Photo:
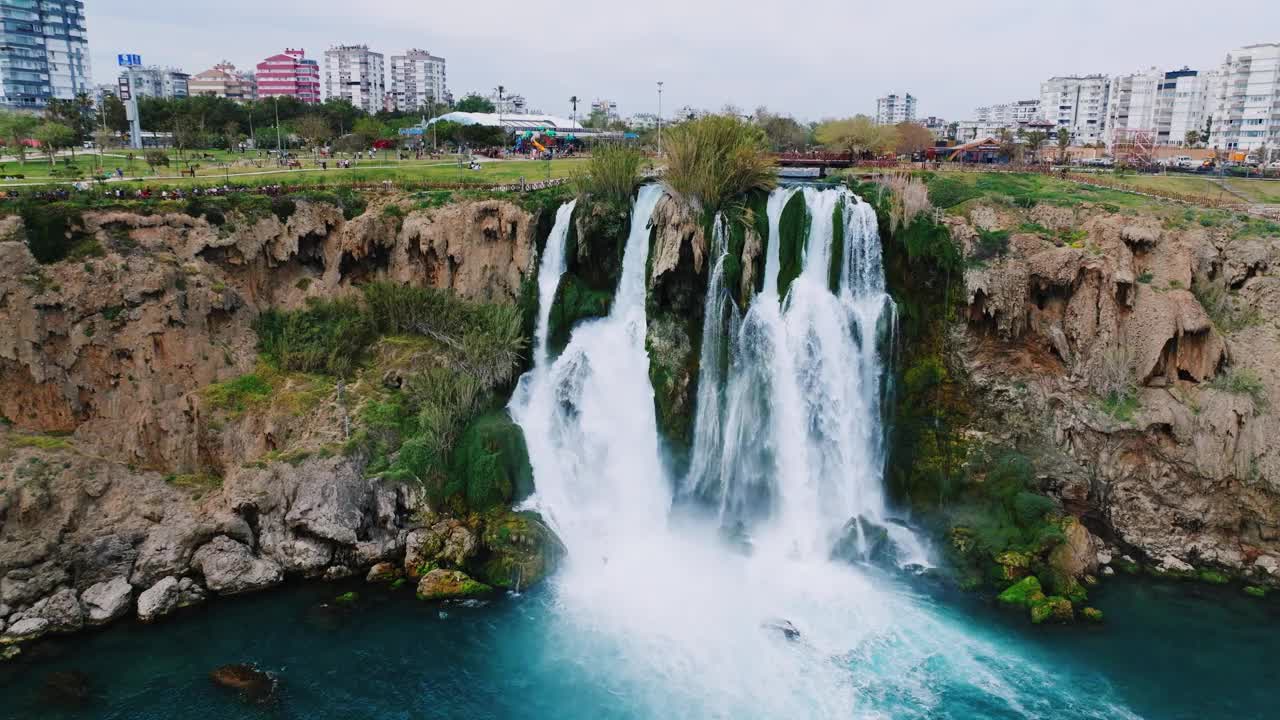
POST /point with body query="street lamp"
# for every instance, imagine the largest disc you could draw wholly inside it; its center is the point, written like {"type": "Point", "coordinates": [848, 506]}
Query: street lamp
{"type": "Point", "coordinates": [276, 101]}
{"type": "Point", "coordinates": [574, 100]}
{"type": "Point", "coordinates": [500, 128]}
{"type": "Point", "coordinates": [660, 118]}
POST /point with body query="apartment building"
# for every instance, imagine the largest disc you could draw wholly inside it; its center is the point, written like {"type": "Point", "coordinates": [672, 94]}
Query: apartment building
{"type": "Point", "coordinates": [1131, 104]}
{"type": "Point", "coordinates": [1246, 103]}
{"type": "Point", "coordinates": [1077, 103]}
{"type": "Point", "coordinates": [356, 74]}
{"type": "Point", "coordinates": [45, 53]}
{"type": "Point", "coordinates": [225, 81]}
{"type": "Point", "coordinates": [418, 79]}
{"type": "Point", "coordinates": [158, 82]}
{"type": "Point", "coordinates": [893, 109]}
{"type": "Point", "coordinates": [289, 74]}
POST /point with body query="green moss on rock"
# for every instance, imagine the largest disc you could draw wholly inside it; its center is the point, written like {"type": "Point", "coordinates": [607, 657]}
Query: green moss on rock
{"type": "Point", "coordinates": [1255, 591]}
{"type": "Point", "coordinates": [1021, 593]}
{"type": "Point", "coordinates": [441, 584]}
{"type": "Point", "coordinates": [793, 232]}
{"type": "Point", "coordinates": [1091, 614]}
{"type": "Point", "coordinates": [1052, 609]}
{"type": "Point", "coordinates": [518, 550]}
{"type": "Point", "coordinates": [490, 464]}
{"type": "Point", "coordinates": [1213, 577]}
{"type": "Point", "coordinates": [673, 372]}
{"type": "Point", "coordinates": [575, 301]}
{"type": "Point", "coordinates": [347, 598]}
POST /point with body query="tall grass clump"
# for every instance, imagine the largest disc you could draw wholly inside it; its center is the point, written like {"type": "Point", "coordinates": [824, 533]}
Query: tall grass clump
{"type": "Point", "coordinates": [327, 337]}
{"type": "Point", "coordinates": [611, 175]}
{"type": "Point", "coordinates": [717, 158]}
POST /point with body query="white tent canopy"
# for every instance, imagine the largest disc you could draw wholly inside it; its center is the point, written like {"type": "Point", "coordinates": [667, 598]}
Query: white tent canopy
{"type": "Point", "coordinates": [511, 122]}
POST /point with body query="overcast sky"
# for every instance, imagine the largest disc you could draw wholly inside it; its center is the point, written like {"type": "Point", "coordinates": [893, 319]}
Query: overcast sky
{"type": "Point", "coordinates": [813, 59]}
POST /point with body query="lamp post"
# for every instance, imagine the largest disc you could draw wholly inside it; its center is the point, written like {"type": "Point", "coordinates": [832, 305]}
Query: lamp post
{"type": "Point", "coordinates": [500, 128]}
{"type": "Point", "coordinates": [659, 118]}
{"type": "Point", "coordinates": [574, 100]}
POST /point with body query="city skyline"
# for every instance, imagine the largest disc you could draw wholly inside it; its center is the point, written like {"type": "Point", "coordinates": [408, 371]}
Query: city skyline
{"type": "Point", "coordinates": [708, 56]}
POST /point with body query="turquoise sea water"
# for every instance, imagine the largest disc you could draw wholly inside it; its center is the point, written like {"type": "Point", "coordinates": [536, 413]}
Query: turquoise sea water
{"type": "Point", "coordinates": [1167, 650]}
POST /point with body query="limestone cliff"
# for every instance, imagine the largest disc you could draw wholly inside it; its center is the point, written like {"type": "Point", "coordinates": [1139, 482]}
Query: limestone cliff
{"type": "Point", "coordinates": [133, 462]}
{"type": "Point", "coordinates": [1137, 357]}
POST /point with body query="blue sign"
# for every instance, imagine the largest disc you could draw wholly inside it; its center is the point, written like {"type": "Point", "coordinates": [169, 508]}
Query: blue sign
{"type": "Point", "coordinates": [128, 60]}
{"type": "Point", "coordinates": [411, 131]}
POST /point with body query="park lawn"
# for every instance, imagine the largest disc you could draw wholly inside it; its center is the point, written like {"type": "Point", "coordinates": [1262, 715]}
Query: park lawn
{"type": "Point", "coordinates": [1178, 184]}
{"type": "Point", "coordinates": [496, 172]}
{"type": "Point", "coordinates": [1259, 191]}
{"type": "Point", "coordinates": [957, 189]}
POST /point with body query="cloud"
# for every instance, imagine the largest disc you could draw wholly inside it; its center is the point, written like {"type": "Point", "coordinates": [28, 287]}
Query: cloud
{"type": "Point", "coordinates": [814, 59]}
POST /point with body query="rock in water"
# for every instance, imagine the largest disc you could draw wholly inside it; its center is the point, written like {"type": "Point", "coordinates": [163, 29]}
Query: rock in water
{"type": "Point", "coordinates": [441, 584]}
{"type": "Point", "coordinates": [254, 685]}
{"type": "Point", "coordinates": [863, 540]}
{"type": "Point", "coordinates": [67, 689]}
{"type": "Point", "coordinates": [159, 599]}
{"type": "Point", "coordinates": [520, 551]}
{"type": "Point", "coordinates": [788, 630]}
{"type": "Point", "coordinates": [230, 567]}
{"type": "Point", "coordinates": [106, 601]}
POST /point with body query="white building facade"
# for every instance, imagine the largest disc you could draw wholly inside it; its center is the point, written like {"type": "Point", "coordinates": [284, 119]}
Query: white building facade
{"type": "Point", "coordinates": [893, 109]}
{"type": "Point", "coordinates": [356, 74]}
{"type": "Point", "coordinates": [158, 82]}
{"type": "Point", "coordinates": [418, 80]}
{"type": "Point", "coordinates": [1077, 103]}
{"type": "Point", "coordinates": [1246, 107]}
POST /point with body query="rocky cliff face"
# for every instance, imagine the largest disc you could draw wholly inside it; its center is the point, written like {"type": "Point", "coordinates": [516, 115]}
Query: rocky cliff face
{"type": "Point", "coordinates": [1139, 359]}
{"type": "Point", "coordinates": [129, 457]}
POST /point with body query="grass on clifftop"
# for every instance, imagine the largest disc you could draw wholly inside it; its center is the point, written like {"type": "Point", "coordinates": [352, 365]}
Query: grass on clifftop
{"type": "Point", "coordinates": [716, 159]}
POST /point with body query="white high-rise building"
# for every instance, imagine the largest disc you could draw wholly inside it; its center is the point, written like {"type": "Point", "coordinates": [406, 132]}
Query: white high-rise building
{"type": "Point", "coordinates": [1246, 106]}
{"type": "Point", "coordinates": [1131, 105]}
{"type": "Point", "coordinates": [355, 73]}
{"type": "Point", "coordinates": [893, 109]}
{"type": "Point", "coordinates": [158, 82]}
{"type": "Point", "coordinates": [418, 80]}
{"type": "Point", "coordinates": [1078, 103]}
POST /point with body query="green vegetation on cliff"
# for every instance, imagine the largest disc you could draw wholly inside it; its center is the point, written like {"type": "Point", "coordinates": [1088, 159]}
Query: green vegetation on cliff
{"type": "Point", "coordinates": [434, 370]}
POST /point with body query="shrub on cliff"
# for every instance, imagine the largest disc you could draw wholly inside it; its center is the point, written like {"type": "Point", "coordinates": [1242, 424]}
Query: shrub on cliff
{"type": "Point", "coordinates": [717, 158]}
{"type": "Point", "coordinates": [611, 175]}
{"type": "Point", "coordinates": [328, 336]}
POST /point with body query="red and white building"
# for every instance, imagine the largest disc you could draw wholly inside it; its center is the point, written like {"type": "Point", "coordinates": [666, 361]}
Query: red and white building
{"type": "Point", "coordinates": [289, 74]}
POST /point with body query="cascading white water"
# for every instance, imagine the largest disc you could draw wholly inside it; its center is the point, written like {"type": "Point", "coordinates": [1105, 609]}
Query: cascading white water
{"type": "Point", "coordinates": [550, 269]}
{"type": "Point", "coordinates": [589, 419]}
{"type": "Point", "coordinates": [671, 620]}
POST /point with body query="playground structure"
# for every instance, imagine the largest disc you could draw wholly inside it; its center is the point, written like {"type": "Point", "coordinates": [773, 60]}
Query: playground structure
{"type": "Point", "coordinates": [543, 140]}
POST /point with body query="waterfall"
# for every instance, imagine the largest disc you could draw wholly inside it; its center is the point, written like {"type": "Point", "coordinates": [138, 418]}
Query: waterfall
{"type": "Point", "coordinates": [589, 420]}
{"type": "Point", "coordinates": [550, 269]}
{"type": "Point", "coordinates": [721, 319]}
{"type": "Point", "coordinates": [656, 608]}
{"type": "Point", "coordinates": [799, 426]}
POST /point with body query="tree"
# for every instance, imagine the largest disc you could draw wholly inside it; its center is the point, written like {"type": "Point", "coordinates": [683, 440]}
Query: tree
{"type": "Point", "coordinates": [782, 132]}
{"type": "Point", "coordinates": [155, 158]}
{"type": "Point", "coordinates": [105, 139]}
{"type": "Point", "coordinates": [113, 113]}
{"type": "Point", "coordinates": [1035, 139]}
{"type": "Point", "coordinates": [912, 138]}
{"type": "Point", "coordinates": [76, 114]}
{"type": "Point", "coordinates": [475, 103]}
{"type": "Point", "coordinates": [231, 134]}
{"type": "Point", "coordinates": [54, 136]}
{"type": "Point", "coordinates": [371, 128]}
{"type": "Point", "coordinates": [859, 135]}
{"type": "Point", "coordinates": [1192, 138]}
{"type": "Point", "coordinates": [314, 129]}
{"type": "Point", "coordinates": [16, 128]}
{"type": "Point", "coordinates": [1064, 142]}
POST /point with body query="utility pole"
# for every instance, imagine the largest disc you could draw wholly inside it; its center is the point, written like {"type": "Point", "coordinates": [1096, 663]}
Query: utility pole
{"type": "Point", "coordinates": [659, 118]}
{"type": "Point", "coordinates": [574, 100]}
{"type": "Point", "coordinates": [500, 128]}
